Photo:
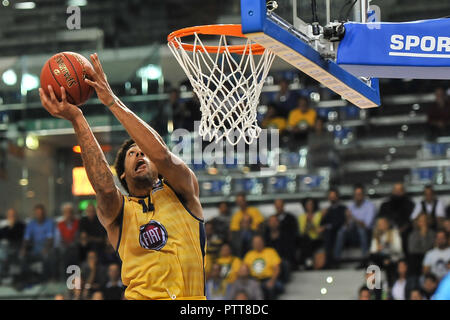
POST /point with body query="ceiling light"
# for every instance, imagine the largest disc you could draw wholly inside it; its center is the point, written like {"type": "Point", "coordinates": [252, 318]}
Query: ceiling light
{"type": "Point", "coordinates": [9, 77]}
{"type": "Point", "coordinates": [25, 5]}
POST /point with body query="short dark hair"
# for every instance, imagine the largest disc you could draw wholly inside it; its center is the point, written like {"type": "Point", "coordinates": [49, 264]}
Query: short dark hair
{"type": "Point", "coordinates": [303, 98]}
{"type": "Point", "coordinates": [119, 163]}
{"type": "Point", "coordinates": [363, 288]}
{"type": "Point", "coordinates": [314, 201]}
{"type": "Point", "coordinates": [242, 194]}
{"type": "Point", "coordinates": [335, 190]}
{"type": "Point", "coordinates": [431, 276]}
{"type": "Point", "coordinates": [358, 186]}
{"type": "Point", "coordinates": [39, 206]}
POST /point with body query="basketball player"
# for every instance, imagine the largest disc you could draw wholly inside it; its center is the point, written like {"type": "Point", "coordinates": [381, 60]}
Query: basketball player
{"type": "Point", "coordinates": [157, 229]}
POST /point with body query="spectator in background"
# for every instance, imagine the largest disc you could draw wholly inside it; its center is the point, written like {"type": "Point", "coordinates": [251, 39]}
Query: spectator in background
{"type": "Point", "coordinates": [221, 223]}
{"type": "Point", "coordinates": [215, 286]}
{"type": "Point", "coordinates": [93, 273]}
{"type": "Point", "coordinates": [285, 99]}
{"type": "Point", "coordinates": [244, 283]}
{"type": "Point", "coordinates": [272, 120]}
{"type": "Point", "coordinates": [93, 228]}
{"type": "Point", "coordinates": [364, 293]}
{"type": "Point", "coordinates": [68, 230]}
{"type": "Point", "coordinates": [300, 121]}
{"type": "Point", "coordinates": [264, 264]}
{"type": "Point", "coordinates": [97, 295]}
{"type": "Point", "coordinates": [436, 259]}
{"type": "Point", "coordinates": [433, 207]}
{"type": "Point", "coordinates": [274, 239]}
{"type": "Point", "coordinates": [241, 295]}
{"type": "Point", "coordinates": [438, 114]}
{"type": "Point", "coordinates": [321, 147]}
{"type": "Point", "coordinates": [288, 227]}
{"type": "Point", "coordinates": [13, 232]}
{"type": "Point", "coordinates": [229, 264]}
{"type": "Point", "coordinates": [83, 246]}
{"type": "Point", "coordinates": [68, 227]}
{"type": "Point", "coordinates": [377, 286]}
{"type": "Point", "coordinates": [241, 240]}
{"type": "Point", "coordinates": [310, 240]}
{"type": "Point", "coordinates": [446, 225]}
{"type": "Point", "coordinates": [386, 248]}
{"type": "Point", "coordinates": [429, 286]}
{"type": "Point", "coordinates": [11, 237]}
{"type": "Point", "coordinates": [114, 288]}
{"type": "Point", "coordinates": [398, 209]}
{"type": "Point", "coordinates": [403, 284]}
{"type": "Point", "coordinates": [245, 210]}
{"type": "Point", "coordinates": [38, 244]}
{"type": "Point", "coordinates": [333, 218]}
{"type": "Point", "coordinates": [415, 294]}
{"type": "Point", "coordinates": [59, 296]}
{"type": "Point", "coordinates": [419, 242]}
{"type": "Point", "coordinates": [78, 292]}
{"type": "Point", "coordinates": [213, 244]}
{"type": "Point", "coordinates": [359, 223]}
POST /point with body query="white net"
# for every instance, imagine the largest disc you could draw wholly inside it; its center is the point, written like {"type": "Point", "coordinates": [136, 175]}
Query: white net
{"type": "Point", "coordinates": [228, 86]}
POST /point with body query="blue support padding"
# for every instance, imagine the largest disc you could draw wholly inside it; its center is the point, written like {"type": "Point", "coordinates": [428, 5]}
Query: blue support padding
{"type": "Point", "coordinates": [415, 50]}
{"type": "Point", "coordinates": [254, 13]}
{"type": "Point", "coordinates": [285, 43]}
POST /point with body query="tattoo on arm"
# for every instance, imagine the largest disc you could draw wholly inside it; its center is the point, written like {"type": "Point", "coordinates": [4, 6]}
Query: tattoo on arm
{"type": "Point", "coordinates": [98, 171]}
{"type": "Point", "coordinates": [94, 160]}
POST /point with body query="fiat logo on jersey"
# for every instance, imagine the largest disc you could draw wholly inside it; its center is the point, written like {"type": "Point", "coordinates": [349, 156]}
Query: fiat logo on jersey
{"type": "Point", "coordinates": [153, 235]}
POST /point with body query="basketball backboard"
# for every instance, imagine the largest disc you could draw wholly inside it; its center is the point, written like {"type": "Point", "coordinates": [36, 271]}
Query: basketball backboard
{"type": "Point", "coordinates": [345, 46]}
{"type": "Point", "coordinates": [302, 44]}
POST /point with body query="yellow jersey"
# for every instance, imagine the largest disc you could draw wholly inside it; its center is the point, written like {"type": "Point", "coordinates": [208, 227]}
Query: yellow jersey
{"type": "Point", "coordinates": [229, 268]}
{"type": "Point", "coordinates": [257, 218]}
{"type": "Point", "coordinates": [261, 263]}
{"type": "Point", "coordinates": [277, 123]}
{"type": "Point", "coordinates": [310, 230]}
{"type": "Point", "coordinates": [162, 247]}
{"type": "Point", "coordinates": [296, 116]}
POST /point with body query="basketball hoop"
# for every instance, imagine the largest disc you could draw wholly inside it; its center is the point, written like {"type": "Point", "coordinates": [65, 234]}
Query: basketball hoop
{"type": "Point", "coordinates": [227, 86]}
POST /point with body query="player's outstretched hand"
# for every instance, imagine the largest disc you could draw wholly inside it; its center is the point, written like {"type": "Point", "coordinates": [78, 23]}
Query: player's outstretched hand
{"type": "Point", "coordinates": [99, 82]}
{"type": "Point", "coordinates": [60, 109]}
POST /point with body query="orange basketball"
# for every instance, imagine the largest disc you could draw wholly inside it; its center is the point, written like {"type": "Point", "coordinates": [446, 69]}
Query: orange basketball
{"type": "Point", "coordinates": [68, 70]}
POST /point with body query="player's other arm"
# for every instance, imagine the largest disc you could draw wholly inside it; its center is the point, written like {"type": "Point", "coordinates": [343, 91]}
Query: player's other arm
{"type": "Point", "coordinates": [174, 170]}
{"type": "Point", "coordinates": [109, 199]}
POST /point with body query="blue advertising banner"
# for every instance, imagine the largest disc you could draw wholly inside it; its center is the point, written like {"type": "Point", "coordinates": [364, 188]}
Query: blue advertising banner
{"type": "Point", "coordinates": [416, 50]}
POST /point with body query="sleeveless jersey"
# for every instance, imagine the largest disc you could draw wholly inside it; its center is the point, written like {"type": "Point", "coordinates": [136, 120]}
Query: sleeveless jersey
{"type": "Point", "coordinates": [162, 247]}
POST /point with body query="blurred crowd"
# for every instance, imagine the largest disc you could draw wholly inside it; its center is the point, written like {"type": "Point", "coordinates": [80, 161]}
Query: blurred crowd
{"type": "Point", "coordinates": [249, 255]}
{"type": "Point", "coordinates": [252, 257]}
{"type": "Point", "coordinates": [46, 250]}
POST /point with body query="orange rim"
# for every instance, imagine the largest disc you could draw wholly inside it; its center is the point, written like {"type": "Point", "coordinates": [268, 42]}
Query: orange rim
{"type": "Point", "coordinates": [233, 30]}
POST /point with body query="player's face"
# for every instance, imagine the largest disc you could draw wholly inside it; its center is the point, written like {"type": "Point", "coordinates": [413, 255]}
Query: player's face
{"type": "Point", "coordinates": [138, 166]}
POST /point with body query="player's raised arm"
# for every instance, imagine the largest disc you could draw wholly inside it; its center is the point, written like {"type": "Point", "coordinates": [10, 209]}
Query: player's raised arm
{"type": "Point", "coordinates": [174, 170]}
{"type": "Point", "coordinates": [109, 198]}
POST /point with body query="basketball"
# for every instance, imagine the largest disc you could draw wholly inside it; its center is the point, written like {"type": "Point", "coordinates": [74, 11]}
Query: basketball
{"type": "Point", "coordinates": [67, 69]}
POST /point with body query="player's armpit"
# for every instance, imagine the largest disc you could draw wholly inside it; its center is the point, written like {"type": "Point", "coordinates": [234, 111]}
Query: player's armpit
{"type": "Point", "coordinates": [109, 206]}
{"type": "Point", "coordinates": [182, 180]}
